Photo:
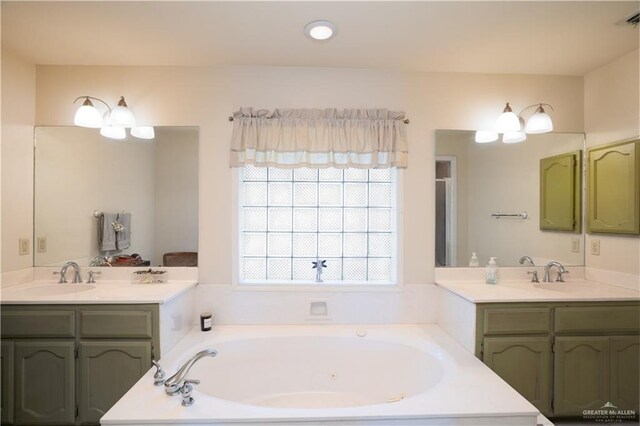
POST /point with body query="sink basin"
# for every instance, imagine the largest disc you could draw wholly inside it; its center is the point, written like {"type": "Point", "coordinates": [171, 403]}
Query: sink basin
{"type": "Point", "coordinates": [562, 287]}
{"type": "Point", "coordinates": [54, 289]}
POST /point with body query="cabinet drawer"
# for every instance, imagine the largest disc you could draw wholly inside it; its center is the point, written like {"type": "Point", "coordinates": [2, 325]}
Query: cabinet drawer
{"type": "Point", "coordinates": [112, 324]}
{"type": "Point", "coordinates": [517, 321]}
{"type": "Point", "coordinates": [38, 324]}
{"type": "Point", "coordinates": [596, 319]}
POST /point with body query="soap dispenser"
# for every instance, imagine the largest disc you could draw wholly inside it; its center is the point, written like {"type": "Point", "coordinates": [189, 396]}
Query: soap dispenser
{"type": "Point", "coordinates": [474, 260]}
{"type": "Point", "coordinates": [491, 272]}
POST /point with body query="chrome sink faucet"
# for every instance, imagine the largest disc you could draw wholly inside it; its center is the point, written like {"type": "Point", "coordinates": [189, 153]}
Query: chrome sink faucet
{"type": "Point", "coordinates": [77, 278]}
{"type": "Point", "coordinates": [533, 272]}
{"type": "Point", "coordinates": [175, 383]}
{"type": "Point", "coordinates": [547, 272]}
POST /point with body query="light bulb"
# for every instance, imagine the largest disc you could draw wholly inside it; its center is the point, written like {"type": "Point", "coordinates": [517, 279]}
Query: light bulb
{"type": "Point", "coordinates": [143, 132]}
{"type": "Point", "coordinates": [513, 137]}
{"type": "Point", "coordinates": [486, 136]}
{"type": "Point", "coordinates": [508, 121]}
{"type": "Point", "coordinates": [88, 116]}
{"type": "Point", "coordinates": [540, 122]}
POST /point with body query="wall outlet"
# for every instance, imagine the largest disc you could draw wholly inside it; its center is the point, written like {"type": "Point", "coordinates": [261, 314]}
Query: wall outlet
{"type": "Point", "coordinates": [24, 246]}
{"type": "Point", "coordinates": [575, 245]}
{"type": "Point", "coordinates": [595, 247]}
{"type": "Point", "coordinates": [42, 244]}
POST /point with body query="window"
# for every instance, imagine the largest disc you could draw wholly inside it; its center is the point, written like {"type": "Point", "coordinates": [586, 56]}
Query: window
{"type": "Point", "coordinates": [290, 218]}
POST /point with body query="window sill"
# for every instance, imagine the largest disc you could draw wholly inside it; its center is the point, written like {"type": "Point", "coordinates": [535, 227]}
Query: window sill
{"type": "Point", "coordinates": [327, 286]}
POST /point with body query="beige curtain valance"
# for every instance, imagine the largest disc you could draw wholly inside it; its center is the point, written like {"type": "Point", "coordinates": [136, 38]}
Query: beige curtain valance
{"type": "Point", "coordinates": [319, 138]}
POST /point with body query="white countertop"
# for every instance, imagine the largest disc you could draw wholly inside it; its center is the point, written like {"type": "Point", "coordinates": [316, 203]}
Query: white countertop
{"type": "Point", "coordinates": [122, 292]}
{"type": "Point", "coordinates": [477, 291]}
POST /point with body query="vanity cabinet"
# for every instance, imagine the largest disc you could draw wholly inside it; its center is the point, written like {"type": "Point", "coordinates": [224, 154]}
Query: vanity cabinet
{"type": "Point", "coordinates": [68, 364]}
{"type": "Point", "coordinates": [613, 188]}
{"type": "Point", "coordinates": [560, 190]}
{"type": "Point", "coordinates": [564, 357]}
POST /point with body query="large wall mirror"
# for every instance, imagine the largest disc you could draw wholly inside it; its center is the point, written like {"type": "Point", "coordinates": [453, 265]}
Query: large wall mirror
{"type": "Point", "coordinates": [509, 200]}
{"type": "Point", "coordinates": [131, 202]}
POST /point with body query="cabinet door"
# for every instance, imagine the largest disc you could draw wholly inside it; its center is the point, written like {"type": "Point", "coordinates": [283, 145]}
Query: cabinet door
{"type": "Point", "coordinates": [108, 369]}
{"type": "Point", "coordinates": [524, 363]}
{"type": "Point", "coordinates": [625, 374]}
{"type": "Point", "coordinates": [44, 382]}
{"type": "Point", "coordinates": [6, 375]}
{"type": "Point", "coordinates": [581, 379]}
{"type": "Point", "coordinates": [614, 189]}
{"type": "Point", "coordinates": [560, 186]}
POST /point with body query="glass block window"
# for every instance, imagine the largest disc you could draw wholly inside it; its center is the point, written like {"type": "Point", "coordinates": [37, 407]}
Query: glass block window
{"type": "Point", "coordinates": [291, 218]}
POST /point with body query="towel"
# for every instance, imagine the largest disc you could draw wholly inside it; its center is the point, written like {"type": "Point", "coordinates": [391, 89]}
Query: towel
{"type": "Point", "coordinates": [123, 238]}
{"type": "Point", "coordinates": [106, 233]}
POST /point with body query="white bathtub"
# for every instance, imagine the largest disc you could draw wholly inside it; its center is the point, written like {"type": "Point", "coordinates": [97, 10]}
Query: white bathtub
{"type": "Point", "coordinates": [343, 375]}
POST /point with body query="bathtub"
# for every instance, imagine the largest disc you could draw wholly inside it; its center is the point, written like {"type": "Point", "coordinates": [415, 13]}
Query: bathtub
{"type": "Point", "coordinates": [326, 375]}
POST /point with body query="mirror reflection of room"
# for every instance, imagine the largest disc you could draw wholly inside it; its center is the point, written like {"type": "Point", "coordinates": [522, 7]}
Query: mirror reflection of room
{"type": "Point", "coordinates": [102, 202]}
{"type": "Point", "coordinates": [489, 198]}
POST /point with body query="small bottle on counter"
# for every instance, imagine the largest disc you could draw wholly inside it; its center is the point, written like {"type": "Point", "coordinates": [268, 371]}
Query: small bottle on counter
{"type": "Point", "coordinates": [474, 260]}
{"type": "Point", "coordinates": [491, 271]}
{"type": "Point", "coordinates": [206, 321]}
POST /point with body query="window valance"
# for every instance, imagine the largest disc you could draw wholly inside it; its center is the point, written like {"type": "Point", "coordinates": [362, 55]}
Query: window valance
{"type": "Point", "coordinates": [319, 138]}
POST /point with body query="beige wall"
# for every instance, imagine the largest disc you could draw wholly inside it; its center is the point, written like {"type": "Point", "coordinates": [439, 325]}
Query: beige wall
{"type": "Point", "coordinates": [18, 118]}
{"type": "Point", "coordinates": [205, 97]}
{"type": "Point", "coordinates": [612, 113]}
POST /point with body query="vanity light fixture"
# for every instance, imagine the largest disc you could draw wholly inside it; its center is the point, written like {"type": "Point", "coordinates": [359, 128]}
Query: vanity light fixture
{"type": "Point", "coordinates": [320, 30]}
{"type": "Point", "coordinates": [112, 125]}
{"type": "Point", "coordinates": [513, 127]}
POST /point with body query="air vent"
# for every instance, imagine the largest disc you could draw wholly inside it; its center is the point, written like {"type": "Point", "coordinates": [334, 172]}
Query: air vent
{"type": "Point", "coordinates": [633, 19]}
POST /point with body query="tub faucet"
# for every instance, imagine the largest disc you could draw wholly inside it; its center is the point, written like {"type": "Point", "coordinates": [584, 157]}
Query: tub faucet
{"type": "Point", "coordinates": [174, 383]}
{"type": "Point", "coordinates": [63, 273]}
{"type": "Point", "coordinates": [547, 272]}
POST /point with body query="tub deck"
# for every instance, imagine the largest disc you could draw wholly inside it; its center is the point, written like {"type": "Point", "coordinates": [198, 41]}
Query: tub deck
{"type": "Point", "coordinates": [469, 393]}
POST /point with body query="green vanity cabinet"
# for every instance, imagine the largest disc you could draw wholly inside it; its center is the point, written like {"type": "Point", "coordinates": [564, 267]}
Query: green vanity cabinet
{"type": "Point", "coordinates": [564, 357]}
{"type": "Point", "coordinates": [107, 370]}
{"type": "Point", "coordinates": [507, 356]}
{"type": "Point", "coordinates": [581, 376]}
{"type": "Point", "coordinates": [45, 382]}
{"type": "Point", "coordinates": [613, 188]}
{"type": "Point", "coordinates": [7, 389]}
{"type": "Point", "coordinates": [68, 364]}
{"type": "Point", "coordinates": [560, 192]}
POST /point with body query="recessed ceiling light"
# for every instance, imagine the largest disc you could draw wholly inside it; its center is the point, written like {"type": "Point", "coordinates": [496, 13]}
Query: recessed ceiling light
{"type": "Point", "coordinates": [320, 30]}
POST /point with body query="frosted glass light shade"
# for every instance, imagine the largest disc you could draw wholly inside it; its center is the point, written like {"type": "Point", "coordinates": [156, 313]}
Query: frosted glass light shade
{"type": "Point", "coordinates": [88, 116]}
{"type": "Point", "coordinates": [540, 122]}
{"type": "Point", "coordinates": [486, 136]}
{"type": "Point", "coordinates": [143, 132]}
{"type": "Point", "coordinates": [122, 116]}
{"type": "Point", "coordinates": [113, 132]}
{"type": "Point", "coordinates": [507, 122]}
{"type": "Point", "coordinates": [513, 137]}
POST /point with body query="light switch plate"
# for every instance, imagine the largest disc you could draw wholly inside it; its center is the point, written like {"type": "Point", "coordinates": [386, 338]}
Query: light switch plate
{"type": "Point", "coordinates": [595, 247]}
{"type": "Point", "coordinates": [575, 245]}
{"type": "Point", "coordinates": [24, 246]}
{"type": "Point", "coordinates": [42, 244]}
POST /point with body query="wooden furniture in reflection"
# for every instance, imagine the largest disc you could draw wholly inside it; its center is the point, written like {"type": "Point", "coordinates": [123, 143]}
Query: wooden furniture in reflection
{"type": "Point", "coordinates": [180, 258]}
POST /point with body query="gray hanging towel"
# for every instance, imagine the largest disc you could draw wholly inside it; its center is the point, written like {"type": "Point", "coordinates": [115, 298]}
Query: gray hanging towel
{"type": "Point", "coordinates": [123, 238]}
{"type": "Point", "coordinates": [106, 233]}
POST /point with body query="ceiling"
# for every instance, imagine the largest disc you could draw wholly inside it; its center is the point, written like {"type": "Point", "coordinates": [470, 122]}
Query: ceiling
{"type": "Point", "coordinates": [532, 37]}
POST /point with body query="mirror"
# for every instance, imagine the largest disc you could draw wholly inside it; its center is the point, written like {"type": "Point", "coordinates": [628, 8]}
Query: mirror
{"type": "Point", "coordinates": [489, 199]}
{"type": "Point", "coordinates": [150, 187]}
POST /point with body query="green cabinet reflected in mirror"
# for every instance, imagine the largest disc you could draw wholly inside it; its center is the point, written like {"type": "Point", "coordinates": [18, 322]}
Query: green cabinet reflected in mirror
{"type": "Point", "coordinates": [560, 192]}
{"type": "Point", "coordinates": [613, 181]}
